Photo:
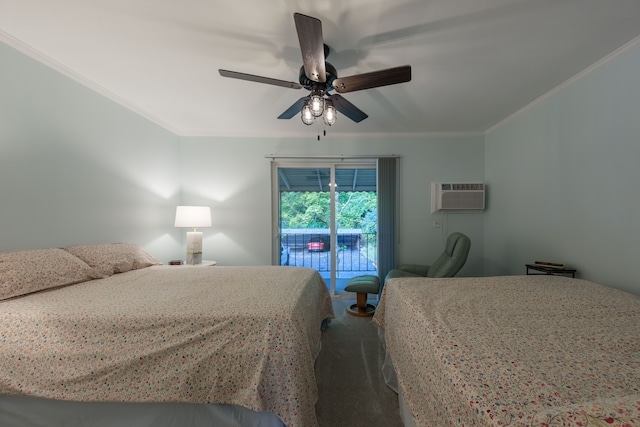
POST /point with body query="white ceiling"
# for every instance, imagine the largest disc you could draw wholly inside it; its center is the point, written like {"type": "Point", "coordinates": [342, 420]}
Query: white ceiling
{"type": "Point", "coordinates": [474, 62]}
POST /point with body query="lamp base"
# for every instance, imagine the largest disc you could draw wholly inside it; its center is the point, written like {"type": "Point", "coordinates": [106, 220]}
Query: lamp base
{"type": "Point", "coordinates": [194, 247]}
{"type": "Point", "coordinates": [194, 259]}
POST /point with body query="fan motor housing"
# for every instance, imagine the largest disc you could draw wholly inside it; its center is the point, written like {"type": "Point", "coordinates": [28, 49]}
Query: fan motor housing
{"type": "Point", "coordinates": [309, 84]}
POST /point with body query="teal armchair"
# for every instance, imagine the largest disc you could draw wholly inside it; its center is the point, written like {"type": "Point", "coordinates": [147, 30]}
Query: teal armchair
{"type": "Point", "coordinates": [447, 265]}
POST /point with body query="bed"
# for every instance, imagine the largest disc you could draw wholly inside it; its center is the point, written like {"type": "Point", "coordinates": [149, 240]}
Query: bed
{"type": "Point", "coordinates": [511, 351]}
{"type": "Point", "coordinates": [120, 329]}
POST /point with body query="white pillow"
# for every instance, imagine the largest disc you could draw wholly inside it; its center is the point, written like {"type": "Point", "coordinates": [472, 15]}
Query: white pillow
{"type": "Point", "coordinates": [29, 271]}
{"type": "Point", "coordinates": [110, 258]}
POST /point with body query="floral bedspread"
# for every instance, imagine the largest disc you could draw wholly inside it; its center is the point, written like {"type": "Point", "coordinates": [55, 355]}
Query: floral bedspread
{"type": "Point", "coordinates": [239, 335]}
{"type": "Point", "coordinates": [514, 351]}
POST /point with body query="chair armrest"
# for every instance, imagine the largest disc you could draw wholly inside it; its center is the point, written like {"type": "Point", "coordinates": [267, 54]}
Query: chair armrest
{"type": "Point", "coordinates": [418, 269]}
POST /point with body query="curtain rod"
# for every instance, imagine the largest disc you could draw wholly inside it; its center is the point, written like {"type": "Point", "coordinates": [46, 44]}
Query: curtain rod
{"type": "Point", "coordinates": [330, 156]}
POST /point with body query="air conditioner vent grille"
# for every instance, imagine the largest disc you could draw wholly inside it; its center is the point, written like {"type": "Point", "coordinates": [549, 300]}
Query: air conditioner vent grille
{"type": "Point", "coordinates": [477, 186]}
{"type": "Point", "coordinates": [457, 196]}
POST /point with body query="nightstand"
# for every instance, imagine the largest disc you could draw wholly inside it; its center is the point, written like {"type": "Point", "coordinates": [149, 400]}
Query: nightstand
{"type": "Point", "coordinates": [205, 263]}
{"type": "Point", "coordinates": [549, 271]}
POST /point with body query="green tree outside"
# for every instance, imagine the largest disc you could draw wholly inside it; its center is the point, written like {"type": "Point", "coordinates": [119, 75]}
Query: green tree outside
{"type": "Point", "coordinates": [354, 210]}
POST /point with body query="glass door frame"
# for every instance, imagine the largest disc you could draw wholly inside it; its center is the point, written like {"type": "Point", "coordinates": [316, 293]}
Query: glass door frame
{"type": "Point", "coordinates": [312, 163]}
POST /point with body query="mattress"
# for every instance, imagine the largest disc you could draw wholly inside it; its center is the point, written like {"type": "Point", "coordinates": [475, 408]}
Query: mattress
{"type": "Point", "coordinates": [245, 336]}
{"type": "Point", "coordinates": [513, 351]}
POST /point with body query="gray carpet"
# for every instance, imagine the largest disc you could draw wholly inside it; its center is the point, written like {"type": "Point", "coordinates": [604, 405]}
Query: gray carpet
{"type": "Point", "coordinates": [348, 370]}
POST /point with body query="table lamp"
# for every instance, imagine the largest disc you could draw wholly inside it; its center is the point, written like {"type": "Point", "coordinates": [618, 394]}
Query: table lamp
{"type": "Point", "coordinates": [193, 216]}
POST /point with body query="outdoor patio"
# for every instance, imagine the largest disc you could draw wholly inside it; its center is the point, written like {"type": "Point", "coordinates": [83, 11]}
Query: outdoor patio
{"type": "Point", "coordinates": [351, 262]}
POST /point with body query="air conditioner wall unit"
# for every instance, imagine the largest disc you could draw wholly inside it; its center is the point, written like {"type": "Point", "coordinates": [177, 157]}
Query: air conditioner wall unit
{"type": "Point", "coordinates": [457, 196]}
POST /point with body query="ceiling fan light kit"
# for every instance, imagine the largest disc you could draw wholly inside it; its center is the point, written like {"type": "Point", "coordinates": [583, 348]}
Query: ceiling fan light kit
{"type": "Point", "coordinates": [320, 77]}
{"type": "Point", "coordinates": [316, 103]}
{"type": "Point", "coordinates": [329, 116]}
{"type": "Point", "coordinates": [306, 115]}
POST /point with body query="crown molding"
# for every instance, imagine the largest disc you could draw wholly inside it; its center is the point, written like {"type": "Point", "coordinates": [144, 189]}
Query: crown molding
{"type": "Point", "coordinates": [610, 57]}
{"type": "Point", "coordinates": [40, 57]}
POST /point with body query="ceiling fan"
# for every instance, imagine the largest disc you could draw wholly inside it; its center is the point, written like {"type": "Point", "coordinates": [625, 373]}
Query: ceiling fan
{"type": "Point", "coordinates": [320, 78]}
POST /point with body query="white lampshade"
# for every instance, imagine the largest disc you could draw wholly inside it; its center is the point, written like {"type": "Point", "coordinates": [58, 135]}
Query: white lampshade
{"type": "Point", "coordinates": [193, 216]}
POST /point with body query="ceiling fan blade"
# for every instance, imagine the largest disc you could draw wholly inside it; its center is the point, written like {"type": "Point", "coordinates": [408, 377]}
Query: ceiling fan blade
{"type": "Point", "coordinates": [312, 46]}
{"type": "Point", "coordinates": [294, 109]}
{"type": "Point", "coordinates": [259, 79]}
{"type": "Point", "coordinates": [390, 76]}
{"type": "Point", "coordinates": [347, 108]}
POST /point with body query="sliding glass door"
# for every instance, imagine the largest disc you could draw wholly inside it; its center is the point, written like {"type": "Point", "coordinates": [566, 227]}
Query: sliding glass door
{"type": "Point", "coordinates": [325, 217]}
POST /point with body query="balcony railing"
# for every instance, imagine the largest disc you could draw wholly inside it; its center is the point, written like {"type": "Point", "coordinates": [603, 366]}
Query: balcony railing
{"type": "Point", "coordinates": [356, 251]}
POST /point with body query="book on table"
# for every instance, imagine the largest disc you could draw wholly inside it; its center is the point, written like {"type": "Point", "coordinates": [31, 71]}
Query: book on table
{"type": "Point", "coordinates": [549, 264]}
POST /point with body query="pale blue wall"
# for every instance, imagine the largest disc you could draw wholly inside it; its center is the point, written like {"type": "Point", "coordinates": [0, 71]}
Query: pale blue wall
{"type": "Point", "coordinates": [78, 168]}
{"type": "Point", "coordinates": [564, 179]}
{"type": "Point", "coordinates": [232, 176]}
